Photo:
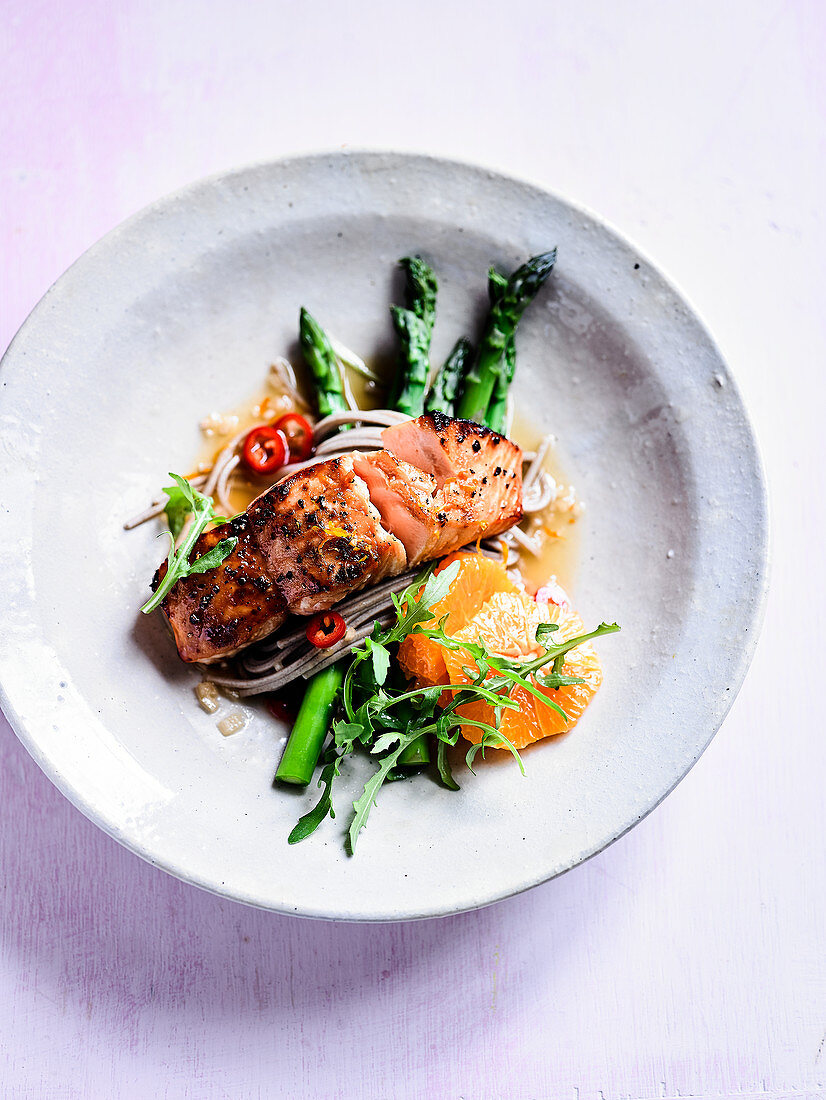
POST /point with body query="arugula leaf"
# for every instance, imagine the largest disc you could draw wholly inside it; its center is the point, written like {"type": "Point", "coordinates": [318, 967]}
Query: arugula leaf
{"type": "Point", "coordinates": [555, 680]}
{"type": "Point", "coordinates": [364, 720]}
{"type": "Point", "coordinates": [438, 585]}
{"type": "Point", "coordinates": [383, 743]}
{"type": "Point", "coordinates": [178, 507]}
{"type": "Point", "coordinates": [412, 609]}
{"type": "Point", "coordinates": [365, 802]}
{"type": "Point", "coordinates": [495, 739]}
{"type": "Point", "coordinates": [507, 672]}
{"type": "Point", "coordinates": [443, 766]}
{"type": "Point", "coordinates": [213, 558]}
{"type": "Point", "coordinates": [313, 818]}
{"type": "Point", "coordinates": [345, 734]}
{"type": "Point", "coordinates": [414, 604]}
{"type": "Point", "coordinates": [178, 563]}
{"type": "Point", "coordinates": [572, 643]}
{"type": "Point", "coordinates": [189, 494]}
{"type": "Point", "coordinates": [380, 655]}
{"type": "Point", "coordinates": [432, 693]}
{"type": "Point", "coordinates": [544, 630]}
{"type": "Point", "coordinates": [508, 675]}
{"type": "Point", "coordinates": [447, 728]}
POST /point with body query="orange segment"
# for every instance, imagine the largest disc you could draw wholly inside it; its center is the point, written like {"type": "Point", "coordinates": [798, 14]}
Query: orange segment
{"type": "Point", "coordinates": [521, 727]}
{"type": "Point", "coordinates": [478, 579]}
{"type": "Point", "coordinates": [506, 625]}
{"type": "Point", "coordinates": [583, 662]}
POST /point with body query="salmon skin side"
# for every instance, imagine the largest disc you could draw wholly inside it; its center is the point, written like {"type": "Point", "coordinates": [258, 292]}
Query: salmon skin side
{"type": "Point", "coordinates": [344, 523]}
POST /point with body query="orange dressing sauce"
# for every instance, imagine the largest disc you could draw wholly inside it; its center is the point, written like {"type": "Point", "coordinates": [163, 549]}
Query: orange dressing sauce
{"type": "Point", "coordinates": [560, 526]}
{"type": "Point", "coordinates": [263, 407]}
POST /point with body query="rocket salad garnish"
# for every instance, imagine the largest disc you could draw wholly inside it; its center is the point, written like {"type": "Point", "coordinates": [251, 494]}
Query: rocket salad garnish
{"type": "Point", "coordinates": [183, 502]}
{"type": "Point", "coordinates": [383, 718]}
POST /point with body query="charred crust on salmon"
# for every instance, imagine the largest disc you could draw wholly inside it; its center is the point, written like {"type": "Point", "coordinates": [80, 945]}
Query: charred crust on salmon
{"type": "Point", "coordinates": [464, 429]}
{"type": "Point", "coordinates": [334, 527]}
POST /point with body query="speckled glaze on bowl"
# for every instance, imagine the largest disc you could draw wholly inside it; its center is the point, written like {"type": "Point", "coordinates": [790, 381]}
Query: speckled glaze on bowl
{"type": "Point", "coordinates": [178, 312]}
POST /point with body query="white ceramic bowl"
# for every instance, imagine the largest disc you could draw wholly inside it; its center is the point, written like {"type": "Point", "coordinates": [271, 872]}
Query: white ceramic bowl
{"type": "Point", "coordinates": [179, 311]}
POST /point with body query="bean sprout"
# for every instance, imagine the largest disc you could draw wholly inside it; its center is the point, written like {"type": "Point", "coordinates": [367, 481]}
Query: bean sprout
{"type": "Point", "coordinates": [354, 439]}
{"type": "Point", "coordinates": [282, 377]}
{"type": "Point", "coordinates": [348, 358]}
{"type": "Point", "coordinates": [381, 417]}
{"type": "Point", "coordinates": [222, 486]}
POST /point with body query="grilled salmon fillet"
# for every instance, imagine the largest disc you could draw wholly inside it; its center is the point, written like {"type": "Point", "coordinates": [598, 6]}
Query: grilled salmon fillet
{"type": "Point", "coordinates": [477, 474]}
{"type": "Point", "coordinates": [404, 497]}
{"type": "Point", "coordinates": [447, 448]}
{"type": "Point", "coordinates": [337, 526]}
{"type": "Point", "coordinates": [321, 536]}
{"type": "Point", "coordinates": [214, 614]}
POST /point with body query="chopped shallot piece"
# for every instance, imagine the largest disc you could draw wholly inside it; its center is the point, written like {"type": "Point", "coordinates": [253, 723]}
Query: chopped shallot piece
{"type": "Point", "coordinates": [218, 424]}
{"type": "Point", "coordinates": [207, 696]}
{"type": "Point", "coordinates": [233, 723]}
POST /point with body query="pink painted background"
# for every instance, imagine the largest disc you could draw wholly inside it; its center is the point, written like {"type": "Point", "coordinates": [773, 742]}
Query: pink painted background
{"type": "Point", "coordinates": [689, 959]}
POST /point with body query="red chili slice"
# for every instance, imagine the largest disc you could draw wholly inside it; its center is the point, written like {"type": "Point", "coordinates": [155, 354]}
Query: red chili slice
{"type": "Point", "coordinates": [265, 450]}
{"type": "Point", "coordinates": [299, 433]}
{"type": "Point", "coordinates": [326, 629]}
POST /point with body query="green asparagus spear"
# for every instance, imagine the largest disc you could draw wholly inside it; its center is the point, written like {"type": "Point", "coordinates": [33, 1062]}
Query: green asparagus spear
{"type": "Point", "coordinates": [498, 407]}
{"type": "Point", "coordinates": [421, 290]}
{"type": "Point", "coordinates": [414, 326]}
{"type": "Point", "coordinates": [411, 380]}
{"type": "Point", "coordinates": [444, 392]}
{"type": "Point", "coordinates": [307, 737]}
{"type": "Point", "coordinates": [496, 285]}
{"type": "Point", "coordinates": [417, 753]}
{"type": "Point", "coordinates": [324, 368]}
{"type": "Point", "coordinates": [496, 416]}
{"type": "Point", "coordinates": [502, 320]}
